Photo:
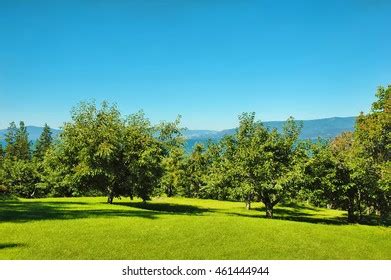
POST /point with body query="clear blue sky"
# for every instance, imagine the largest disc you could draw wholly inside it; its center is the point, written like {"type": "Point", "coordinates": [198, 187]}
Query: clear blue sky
{"type": "Point", "coordinates": [207, 60]}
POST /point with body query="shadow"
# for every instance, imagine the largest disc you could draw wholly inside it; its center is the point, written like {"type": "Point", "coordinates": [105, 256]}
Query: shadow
{"type": "Point", "coordinates": [304, 218]}
{"type": "Point", "coordinates": [313, 220]}
{"type": "Point", "coordinates": [295, 214]}
{"type": "Point", "coordinates": [370, 220]}
{"type": "Point", "coordinates": [25, 211]}
{"type": "Point", "coordinates": [166, 207]}
{"type": "Point", "coordinates": [10, 245]}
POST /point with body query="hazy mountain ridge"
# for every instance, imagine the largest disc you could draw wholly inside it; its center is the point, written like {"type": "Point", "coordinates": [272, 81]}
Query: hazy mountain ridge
{"type": "Point", "coordinates": [312, 129]}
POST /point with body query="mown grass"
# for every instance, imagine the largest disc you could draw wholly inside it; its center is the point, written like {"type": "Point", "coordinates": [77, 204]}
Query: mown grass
{"type": "Point", "coordinates": [177, 228]}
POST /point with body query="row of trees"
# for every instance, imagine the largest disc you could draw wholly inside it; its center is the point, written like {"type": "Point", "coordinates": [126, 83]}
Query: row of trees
{"type": "Point", "coordinates": [97, 152]}
{"type": "Point", "coordinates": [100, 152]}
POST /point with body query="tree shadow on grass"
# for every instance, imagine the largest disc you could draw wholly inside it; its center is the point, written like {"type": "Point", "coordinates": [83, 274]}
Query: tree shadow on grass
{"type": "Point", "coordinates": [21, 212]}
{"type": "Point", "coordinates": [168, 208]}
{"type": "Point", "coordinates": [26, 211]}
{"type": "Point", "coordinates": [295, 214]}
{"type": "Point", "coordinates": [10, 245]}
{"type": "Point", "coordinates": [308, 218]}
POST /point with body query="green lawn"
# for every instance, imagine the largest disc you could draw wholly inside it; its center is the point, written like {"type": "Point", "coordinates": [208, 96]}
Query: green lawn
{"type": "Point", "coordinates": [87, 228]}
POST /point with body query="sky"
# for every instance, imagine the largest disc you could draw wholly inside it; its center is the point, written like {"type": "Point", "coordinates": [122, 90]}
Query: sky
{"type": "Point", "coordinates": [206, 60]}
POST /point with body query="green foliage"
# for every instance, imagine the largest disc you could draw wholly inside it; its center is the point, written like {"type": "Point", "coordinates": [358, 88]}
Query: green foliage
{"type": "Point", "coordinates": [99, 150]}
{"type": "Point", "coordinates": [18, 145]}
{"type": "Point", "coordinates": [22, 144]}
{"type": "Point", "coordinates": [10, 138]}
{"type": "Point", "coordinates": [18, 175]}
{"type": "Point", "coordinates": [173, 180]}
{"type": "Point", "coordinates": [58, 174]}
{"type": "Point", "coordinates": [267, 163]}
{"type": "Point", "coordinates": [87, 153]}
{"type": "Point", "coordinates": [329, 172]}
{"type": "Point", "coordinates": [352, 172]}
{"type": "Point", "coordinates": [373, 141]}
{"type": "Point", "coordinates": [43, 143]}
{"type": "Point", "coordinates": [142, 157]}
{"type": "Point", "coordinates": [1, 153]}
{"type": "Point", "coordinates": [219, 182]}
{"type": "Point", "coordinates": [196, 168]}
{"type": "Point", "coordinates": [21, 178]}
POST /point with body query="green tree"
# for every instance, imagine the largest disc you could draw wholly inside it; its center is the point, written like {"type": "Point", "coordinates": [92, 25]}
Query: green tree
{"type": "Point", "coordinates": [373, 136]}
{"type": "Point", "coordinates": [364, 175]}
{"type": "Point", "coordinates": [214, 187]}
{"type": "Point", "coordinates": [249, 156]}
{"type": "Point", "coordinates": [10, 138]}
{"type": "Point", "coordinates": [174, 178]}
{"type": "Point", "coordinates": [268, 162]}
{"type": "Point", "coordinates": [3, 188]}
{"type": "Point", "coordinates": [196, 169]}
{"type": "Point", "coordinates": [344, 191]}
{"type": "Point", "coordinates": [22, 179]}
{"type": "Point", "coordinates": [22, 144]}
{"type": "Point", "coordinates": [339, 176]}
{"type": "Point", "coordinates": [173, 163]}
{"type": "Point", "coordinates": [89, 153]}
{"type": "Point", "coordinates": [283, 162]}
{"type": "Point", "coordinates": [100, 151]}
{"type": "Point", "coordinates": [318, 171]}
{"type": "Point", "coordinates": [18, 174]}
{"type": "Point", "coordinates": [143, 154]}
{"type": "Point", "coordinates": [43, 143]}
{"type": "Point", "coordinates": [1, 153]}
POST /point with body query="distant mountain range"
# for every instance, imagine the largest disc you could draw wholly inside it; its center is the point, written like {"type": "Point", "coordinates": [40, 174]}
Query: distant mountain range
{"type": "Point", "coordinates": [312, 129]}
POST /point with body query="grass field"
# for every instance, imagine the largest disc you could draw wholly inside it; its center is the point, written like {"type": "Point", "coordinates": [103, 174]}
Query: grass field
{"type": "Point", "coordinates": [177, 228]}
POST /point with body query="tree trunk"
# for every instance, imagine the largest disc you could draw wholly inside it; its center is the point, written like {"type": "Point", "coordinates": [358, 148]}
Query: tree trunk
{"type": "Point", "coordinates": [170, 191]}
{"type": "Point", "coordinates": [351, 216]}
{"type": "Point", "coordinates": [269, 205]}
{"type": "Point", "coordinates": [360, 211]}
{"type": "Point", "coordinates": [351, 207]}
{"type": "Point", "coordinates": [248, 201]}
{"type": "Point", "coordinates": [110, 199]}
{"type": "Point", "coordinates": [269, 211]}
{"type": "Point", "coordinates": [383, 215]}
